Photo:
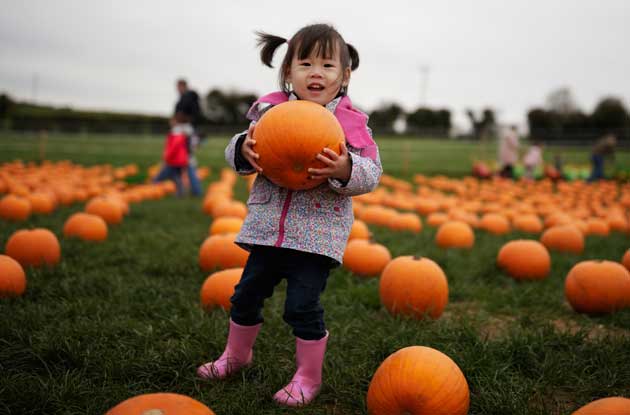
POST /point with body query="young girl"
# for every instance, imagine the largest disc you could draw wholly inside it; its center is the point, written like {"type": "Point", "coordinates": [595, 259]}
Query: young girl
{"type": "Point", "coordinates": [298, 235]}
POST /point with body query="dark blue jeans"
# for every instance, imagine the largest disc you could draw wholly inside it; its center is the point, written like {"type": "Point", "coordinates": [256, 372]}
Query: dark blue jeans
{"type": "Point", "coordinates": [306, 276]}
{"type": "Point", "coordinates": [171, 173]}
{"type": "Point", "coordinates": [597, 167]}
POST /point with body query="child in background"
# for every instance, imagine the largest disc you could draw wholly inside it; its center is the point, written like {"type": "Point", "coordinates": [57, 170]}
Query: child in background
{"type": "Point", "coordinates": [176, 155]}
{"type": "Point", "coordinates": [298, 235]}
{"type": "Point", "coordinates": [533, 159]}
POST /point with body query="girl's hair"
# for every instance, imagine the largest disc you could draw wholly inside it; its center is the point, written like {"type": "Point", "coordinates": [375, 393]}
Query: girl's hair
{"type": "Point", "coordinates": [323, 37]}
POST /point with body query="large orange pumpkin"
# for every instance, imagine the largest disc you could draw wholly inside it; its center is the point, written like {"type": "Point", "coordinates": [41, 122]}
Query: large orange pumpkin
{"type": "Point", "coordinates": [495, 223]}
{"type": "Point", "coordinates": [563, 238]}
{"type": "Point", "coordinates": [12, 277]}
{"type": "Point", "coordinates": [414, 287]}
{"type": "Point", "coordinates": [288, 138]}
{"type": "Point", "coordinates": [160, 404]}
{"type": "Point", "coordinates": [218, 288]}
{"type": "Point", "coordinates": [418, 380]}
{"type": "Point", "coordinates": [525, 259]}
{"type": "Point", "coordinates": [598, 287]}
{"type": "Point", "coordinates": [455, 234]}
{"type": "Point", "coordinates": [615, 405]}
{"type": "Point", "coordinates": [220, 251]}
{"type": "Point", "coordinates": [366, 258]}
{"type": "Point", "coordinates": [34, 247]}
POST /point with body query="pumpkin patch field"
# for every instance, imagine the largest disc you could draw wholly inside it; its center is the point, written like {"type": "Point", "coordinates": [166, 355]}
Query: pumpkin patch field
{"type": "Point", "coordinates": [456, 295]}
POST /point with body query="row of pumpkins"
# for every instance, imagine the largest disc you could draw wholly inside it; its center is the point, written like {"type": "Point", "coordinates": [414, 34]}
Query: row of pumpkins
{"type": "Point", "coordinates": [420, 297]}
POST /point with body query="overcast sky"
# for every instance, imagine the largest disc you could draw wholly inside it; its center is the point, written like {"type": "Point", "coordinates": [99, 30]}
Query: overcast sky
{"type": "Point", "coordinates": [505, 54]}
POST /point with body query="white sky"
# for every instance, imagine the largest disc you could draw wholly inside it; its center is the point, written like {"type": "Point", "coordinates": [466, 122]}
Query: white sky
{"type": "Point", "coordinates": [505, 54]}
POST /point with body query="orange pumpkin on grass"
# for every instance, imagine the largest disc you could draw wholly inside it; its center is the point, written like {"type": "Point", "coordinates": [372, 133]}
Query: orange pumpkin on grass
{"type": "Point", "coordinates": [226, 224]}
{"type": "Point", "coordinates": [34, 247]}
{"type": "Point", "coordinates": [563, 238]}
{"type": "Point", "coordinates": [289, 136]}
{"type": "Point", "coordinates": [359, 230]}
{"type": "Point", "coordinates": [528, 223]}
{"type": "Point", "coordinates": [625, 260]}
{"type": "Point", "coordinates": [598, 287]}
{"type": "Point", "coordinates": [160, 404]}
{"type": "Point", "coordinates": [220, 251]}
{"type": "Point", "coordinates": [615, 405]}
{"type": "Point", "coordinates": [85, 226]}
{"type": "Point", "coordinates": [15, 208]}
{"type": "Point", "coordinates": [455, 234]}
{"type": "Point", "coordinates": [525, 259]}
{"type": "Point", "coordinates": [418, 380]}
{"type": "Point", "coordinates": [109, 210]}
{"type": "Point", "coordinates": [495, 223]}
{"type": "Point", "coordinates": [218, 288]}
{"type": "Point", "coordinates": [413, 287]}
{"type": "Point", "coordinates": [12, 277]}
{"type": "Point", "coordinates": [366, 258]}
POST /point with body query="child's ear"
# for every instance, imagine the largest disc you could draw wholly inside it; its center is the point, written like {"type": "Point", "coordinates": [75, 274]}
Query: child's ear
{"type": "Point", "coordinates": [346, 77]}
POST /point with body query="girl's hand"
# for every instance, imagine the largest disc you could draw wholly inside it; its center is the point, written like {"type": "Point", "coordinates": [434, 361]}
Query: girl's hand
{"type": "Point", "coordinates": [337, 165]}
{"type": "Point", "coordinates": [247, 149]}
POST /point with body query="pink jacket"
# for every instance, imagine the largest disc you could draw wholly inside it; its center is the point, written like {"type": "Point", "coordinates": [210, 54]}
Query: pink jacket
{"type": "Point", "coordinates": [317, 220]}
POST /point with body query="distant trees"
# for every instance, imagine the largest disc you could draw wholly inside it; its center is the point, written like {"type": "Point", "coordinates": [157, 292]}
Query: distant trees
{"type": "Point", "coordinates": [563, 120]}
{"type": "Point", "coordinates": [422, 121]}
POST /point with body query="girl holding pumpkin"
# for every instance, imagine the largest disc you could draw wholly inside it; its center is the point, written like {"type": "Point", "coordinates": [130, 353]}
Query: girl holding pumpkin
{"type": "Point", "coordinates": [298, 234]}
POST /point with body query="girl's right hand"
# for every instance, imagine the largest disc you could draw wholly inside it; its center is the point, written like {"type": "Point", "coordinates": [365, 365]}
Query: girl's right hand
{"type": "Point", "coordinates": [247, 149]}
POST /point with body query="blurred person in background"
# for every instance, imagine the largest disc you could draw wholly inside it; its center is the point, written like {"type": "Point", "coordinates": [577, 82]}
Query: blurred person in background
{"type": "Point", "coordinates": [508, 152]}
{"type": "Point", "coordinates": [533, 159]}
{"type": "Point", "coordinates": [188, 105]}
{"type": "Point", "coordinates": [604, 147]}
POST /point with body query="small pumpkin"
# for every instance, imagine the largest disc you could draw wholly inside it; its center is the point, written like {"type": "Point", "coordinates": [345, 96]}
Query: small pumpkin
{"type": "Point", "coordinates": [12, 277]}
{"type": "Point", "coordinates": [525, 259]}
{"type": "Point", "coordinates": [495, 223]}
{"type": "Point", "coordinates": [436, 219]}
{"type": "Point", "coordinates": [218, 288]}
{"type": "Point", "coordinates": [359, 230]}
{"type": "Point", "coordinates": [289, 136]}
{"type": "Point", "coordinates": [160, 404]}
{"type": "Point", "coordinates": [15, 208]}
{"type": "Point", "coordinates": [625, 260]}
{"type": "Point", "coordinates": [220, 251]}
{"type": "Point", "coordinates": [85, 226]}
{"type": "Point", "coordinates": [563, 238]}
{"type": "Point", "coordinates": [598, 287]}
{"type": "Point", "coordinates": [597, 226]}
{"type": "Point", "coordinates": [615, 405]}
{"type": "Point", "coordinates": [418, 380]}
{"type": "Point", "coordinates": [529, 223]}
{"type": "Point", "coordinates": [109, 210]}
{"type": "Point", "coordinates": [34, 247]}
{"type": "Point", "coordinates": [406, 222]}
{"type": "Point", "coordinates": [455, 234]}
{"type": "Point", "coordinates": [366, 258]}
{"type": "Point", "coordinates": [413, 287]}
{"type": "Point", "coordinates": [232, 208]}
{"type": "Point", "coordinates": [226, 224]}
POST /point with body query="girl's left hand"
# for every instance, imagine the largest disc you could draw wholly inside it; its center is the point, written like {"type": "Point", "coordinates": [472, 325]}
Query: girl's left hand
{"type": "Point", "coordinates": [337, 165]}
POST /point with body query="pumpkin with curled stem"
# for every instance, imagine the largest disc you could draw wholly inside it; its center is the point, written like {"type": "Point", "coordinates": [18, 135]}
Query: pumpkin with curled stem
{"type": "Point", "coordinates": [289, 137]}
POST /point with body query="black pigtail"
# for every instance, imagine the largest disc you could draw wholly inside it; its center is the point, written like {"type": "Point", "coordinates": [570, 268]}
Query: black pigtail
{"type": "Point", "coordinates": [269, 45]}
{"type": "Point", "coordinates": [354, 57]}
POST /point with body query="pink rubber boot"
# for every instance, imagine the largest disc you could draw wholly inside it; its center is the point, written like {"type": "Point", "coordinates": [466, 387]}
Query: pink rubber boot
{"type": "Point", "coordinates": [237, 353]}
{"type": "Point", "coordinates": [305, 385]}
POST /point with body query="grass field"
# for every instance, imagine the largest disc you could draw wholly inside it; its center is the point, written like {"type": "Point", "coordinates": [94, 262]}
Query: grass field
{"type": "Point", "coordinates": [122, 318]}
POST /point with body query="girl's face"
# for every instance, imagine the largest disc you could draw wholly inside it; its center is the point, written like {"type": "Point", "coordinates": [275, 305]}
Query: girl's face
{"type": "Point", "coordinates": [316, 78]}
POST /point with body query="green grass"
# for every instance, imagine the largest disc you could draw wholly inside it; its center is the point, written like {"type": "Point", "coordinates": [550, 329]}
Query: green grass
{"type": "Point", "coordinates": [121, 318]}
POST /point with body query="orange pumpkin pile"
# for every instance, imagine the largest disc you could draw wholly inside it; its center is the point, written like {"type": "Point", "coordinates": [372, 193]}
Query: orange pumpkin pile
{"type": "Point", "coordinates": [289, 137]}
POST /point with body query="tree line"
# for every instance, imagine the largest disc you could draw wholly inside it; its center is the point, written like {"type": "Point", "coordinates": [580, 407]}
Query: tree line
{"type": "Point", "coordinates": [559, 119]}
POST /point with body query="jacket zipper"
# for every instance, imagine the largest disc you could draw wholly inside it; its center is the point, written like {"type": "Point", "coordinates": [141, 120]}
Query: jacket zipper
{"type": "Point", "coordinates": [283, 217]}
